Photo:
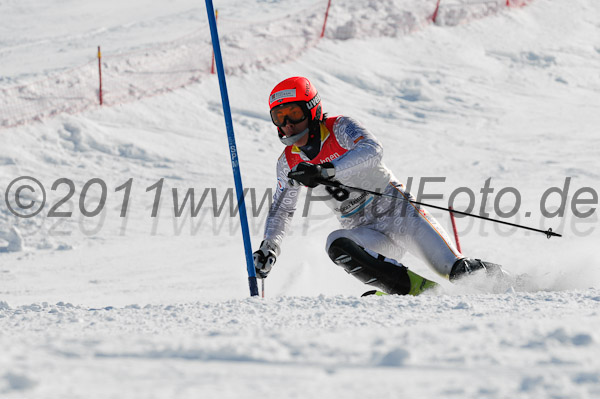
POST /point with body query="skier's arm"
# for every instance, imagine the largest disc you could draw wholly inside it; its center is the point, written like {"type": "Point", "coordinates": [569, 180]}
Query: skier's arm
{"type": "Point", "coordinates": [364, 150]}
{"type": "Point", "coordinates": [278, 220]}
{"type": "Point", "coordinates": [283, 207]}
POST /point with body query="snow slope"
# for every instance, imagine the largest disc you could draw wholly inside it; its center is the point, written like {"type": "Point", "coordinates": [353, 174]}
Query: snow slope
{"type": "Point", "coordinates": [157, 307]}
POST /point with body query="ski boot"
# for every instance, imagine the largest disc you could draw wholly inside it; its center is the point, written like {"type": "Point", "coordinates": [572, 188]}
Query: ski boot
{"type": "Point", "coordinates": [495, 278]}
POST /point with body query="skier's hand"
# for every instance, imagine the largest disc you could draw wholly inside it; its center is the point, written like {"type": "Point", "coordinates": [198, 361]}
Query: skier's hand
{"type": "Point", "coordinates": [311, 175]}
{"type": "Point", "coordinates": [265, 258]}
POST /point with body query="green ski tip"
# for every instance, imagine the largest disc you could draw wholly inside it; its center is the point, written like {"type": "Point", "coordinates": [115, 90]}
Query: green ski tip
{"type": "Point", "coordinates": [374, 292]}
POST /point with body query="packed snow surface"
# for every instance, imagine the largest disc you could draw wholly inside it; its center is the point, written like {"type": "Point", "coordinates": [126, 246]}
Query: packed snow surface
{"type": "Point", "coordinates": [96, 306]}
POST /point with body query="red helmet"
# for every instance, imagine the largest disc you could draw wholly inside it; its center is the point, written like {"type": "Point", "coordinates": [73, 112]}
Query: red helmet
{"type": "Point", "coordinates": [300, 90]}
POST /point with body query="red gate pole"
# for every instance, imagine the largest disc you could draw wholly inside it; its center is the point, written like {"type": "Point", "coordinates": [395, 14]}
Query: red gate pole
{"type": "Point", "coordinates": [325, 21]}
{"type": "Point", "coordinates": [100, 74]}
{"type": "Point", "coordinates": [454, 229]}
{"type": "Point", "coordinates": [212, 67]}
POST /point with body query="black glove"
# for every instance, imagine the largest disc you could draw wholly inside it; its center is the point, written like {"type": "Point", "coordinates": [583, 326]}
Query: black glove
{"type": "Point", "coordinates": [311, 175]}
{"type": "Point", "coordinates": [265, 258]}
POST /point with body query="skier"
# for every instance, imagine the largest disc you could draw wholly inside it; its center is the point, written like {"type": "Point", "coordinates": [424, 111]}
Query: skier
{"type": "Point", "coordinates": [376, 231]}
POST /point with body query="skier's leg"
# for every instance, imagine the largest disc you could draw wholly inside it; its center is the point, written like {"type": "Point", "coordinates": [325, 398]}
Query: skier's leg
{"type": "Point", "coordinates": [433, 244]}
{"type": "Point", "coordinates": [371, 267]}
{"type": "Point", "coordinates": [421, 233]}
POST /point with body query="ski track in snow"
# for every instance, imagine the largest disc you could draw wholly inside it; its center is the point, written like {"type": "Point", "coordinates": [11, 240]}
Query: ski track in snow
{"type": "Point", "coordinates": [143, 307]}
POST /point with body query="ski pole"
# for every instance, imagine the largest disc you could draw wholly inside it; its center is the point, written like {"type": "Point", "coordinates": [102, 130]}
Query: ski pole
{"type": "Point", "coordinates": [332, 183]}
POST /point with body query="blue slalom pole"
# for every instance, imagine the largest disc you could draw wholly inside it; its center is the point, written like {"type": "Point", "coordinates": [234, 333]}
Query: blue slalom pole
{"type": "Point", "coordinates": [237, 177]}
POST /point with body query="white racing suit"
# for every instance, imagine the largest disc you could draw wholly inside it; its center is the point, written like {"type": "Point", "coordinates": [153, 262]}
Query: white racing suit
{"type": "Point", "coordinates": [388, 226]}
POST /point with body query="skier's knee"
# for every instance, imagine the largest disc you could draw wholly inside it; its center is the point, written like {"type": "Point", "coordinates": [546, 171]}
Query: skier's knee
{"type": "Point", "coordinates": [340, 251]}
{"type": "Point", "coordinates": [333, 236]}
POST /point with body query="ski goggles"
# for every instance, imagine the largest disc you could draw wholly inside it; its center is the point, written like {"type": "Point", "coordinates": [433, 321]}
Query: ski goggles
{"type": "Point", "coordinates": [290, 111]}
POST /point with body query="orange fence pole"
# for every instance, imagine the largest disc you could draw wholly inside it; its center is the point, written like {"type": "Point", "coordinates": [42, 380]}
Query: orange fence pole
{"type": "Point", "coordinates": [325, 21]}
{"type": "Point", "coordinates": [435, 13]}
{"type": "Point", "coordinates": [100, 74]}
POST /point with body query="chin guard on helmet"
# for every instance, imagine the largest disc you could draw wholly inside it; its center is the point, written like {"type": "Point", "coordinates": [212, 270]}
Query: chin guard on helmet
{"type": "Point", "coordinates": [291, 139]}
